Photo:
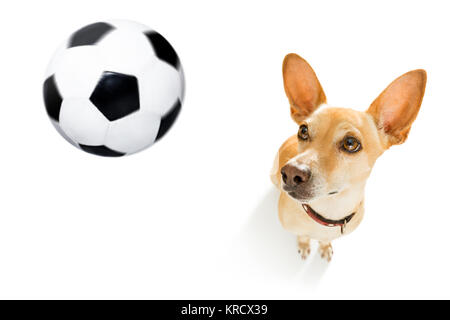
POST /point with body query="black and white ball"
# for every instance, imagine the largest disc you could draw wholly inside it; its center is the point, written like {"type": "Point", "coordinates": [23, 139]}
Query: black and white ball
{"type": "Point", "coordinates": [114, 88]}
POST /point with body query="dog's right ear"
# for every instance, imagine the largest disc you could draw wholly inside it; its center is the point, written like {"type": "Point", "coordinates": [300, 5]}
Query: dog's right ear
{"type": "Point", "coordinates": [397, 106]}
{"type": "Point", "coordinates": [302, 87]}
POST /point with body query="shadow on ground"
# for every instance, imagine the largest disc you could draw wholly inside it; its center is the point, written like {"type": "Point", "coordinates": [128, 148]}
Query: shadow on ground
{"type": "Point", "coordinates": [264, 244]}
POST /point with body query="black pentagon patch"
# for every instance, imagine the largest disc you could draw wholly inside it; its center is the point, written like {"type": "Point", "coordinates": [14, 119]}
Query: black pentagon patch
{"type": "Point", "coordinates": [103, 151]}
{"type": "Point", "coordinates": [52, 98]}
{"type": "Point", "coordinates": [116, 95]}
{"type": "Point", "coordinates": [168, 119]}
{"type": "Point", "coordinates": [89, 35]}
{"type": "Point", "coordinates": [163, 48]}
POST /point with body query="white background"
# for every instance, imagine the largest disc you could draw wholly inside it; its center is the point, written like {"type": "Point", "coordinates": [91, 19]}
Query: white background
{"type": "Point", "coordinates": [195, 215]}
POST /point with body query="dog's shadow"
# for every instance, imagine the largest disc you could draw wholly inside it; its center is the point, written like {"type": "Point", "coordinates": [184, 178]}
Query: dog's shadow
{"type": "Point", "coordinates": [263, 242]}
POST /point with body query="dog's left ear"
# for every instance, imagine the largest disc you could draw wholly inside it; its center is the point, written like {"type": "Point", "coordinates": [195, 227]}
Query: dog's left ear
{"type": "Point", "coordinates": [302, 87]}
{"type": "Point", "coordinates": [397, 106]}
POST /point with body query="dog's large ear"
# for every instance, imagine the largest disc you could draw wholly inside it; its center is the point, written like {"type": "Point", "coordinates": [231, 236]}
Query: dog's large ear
{"type": "Point", "coordinates": [302, 87]}
{"type": "Point", "coordinates": [397, 106]}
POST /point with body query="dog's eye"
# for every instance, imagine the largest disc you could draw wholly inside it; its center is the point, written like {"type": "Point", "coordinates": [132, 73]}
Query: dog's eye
{"type": "Point", "coordinates": [303, 132]}
{"type": "Point", "coordinates": [351, 144]}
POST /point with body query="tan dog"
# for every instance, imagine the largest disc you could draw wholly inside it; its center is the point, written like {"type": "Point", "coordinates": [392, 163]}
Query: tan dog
{"type": "Point", "coordinates": [322, 170]}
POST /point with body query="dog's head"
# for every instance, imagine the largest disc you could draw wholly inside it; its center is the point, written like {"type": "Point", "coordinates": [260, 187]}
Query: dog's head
{"type": "Point", "coordinates": [338, 147]}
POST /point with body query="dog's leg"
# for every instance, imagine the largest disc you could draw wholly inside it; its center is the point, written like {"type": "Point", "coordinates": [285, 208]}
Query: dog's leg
{"type": "Point", "coordinates": [303, 246]}
{"type": "Point", "coordinates": [325, 250]}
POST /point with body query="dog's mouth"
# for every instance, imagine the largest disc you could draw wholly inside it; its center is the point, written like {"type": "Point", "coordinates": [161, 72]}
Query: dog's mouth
{"type": "Point", "coordinates": [299, 194]}
{"type": "Point", "coordinates": [302, 197]}
{"type": "Point", "coordinates": [325, 221]}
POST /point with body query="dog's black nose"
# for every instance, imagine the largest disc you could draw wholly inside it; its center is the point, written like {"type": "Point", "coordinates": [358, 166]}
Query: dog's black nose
{"type": "Point", "coordinates": [294, 175]}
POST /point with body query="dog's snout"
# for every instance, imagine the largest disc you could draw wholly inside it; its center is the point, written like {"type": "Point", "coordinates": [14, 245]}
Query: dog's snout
{"type": "Point", "coordinates": [294, 175]}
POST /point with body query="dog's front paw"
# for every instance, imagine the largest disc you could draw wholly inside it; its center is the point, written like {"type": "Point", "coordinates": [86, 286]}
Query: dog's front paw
{"type": "Point", "coordinates": [326, 251]}
{"type": "Point", "coordinates": [304, 251]}
{"type": "Point", "coordinates": [303, 247]}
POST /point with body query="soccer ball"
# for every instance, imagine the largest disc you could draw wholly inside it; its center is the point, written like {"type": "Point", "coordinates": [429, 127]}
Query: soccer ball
{"type": "Point", "coordinates": [114, 88]}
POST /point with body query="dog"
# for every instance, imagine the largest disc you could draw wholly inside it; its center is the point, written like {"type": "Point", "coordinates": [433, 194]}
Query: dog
{"type": "Point", "coordinates": [322, 170]}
